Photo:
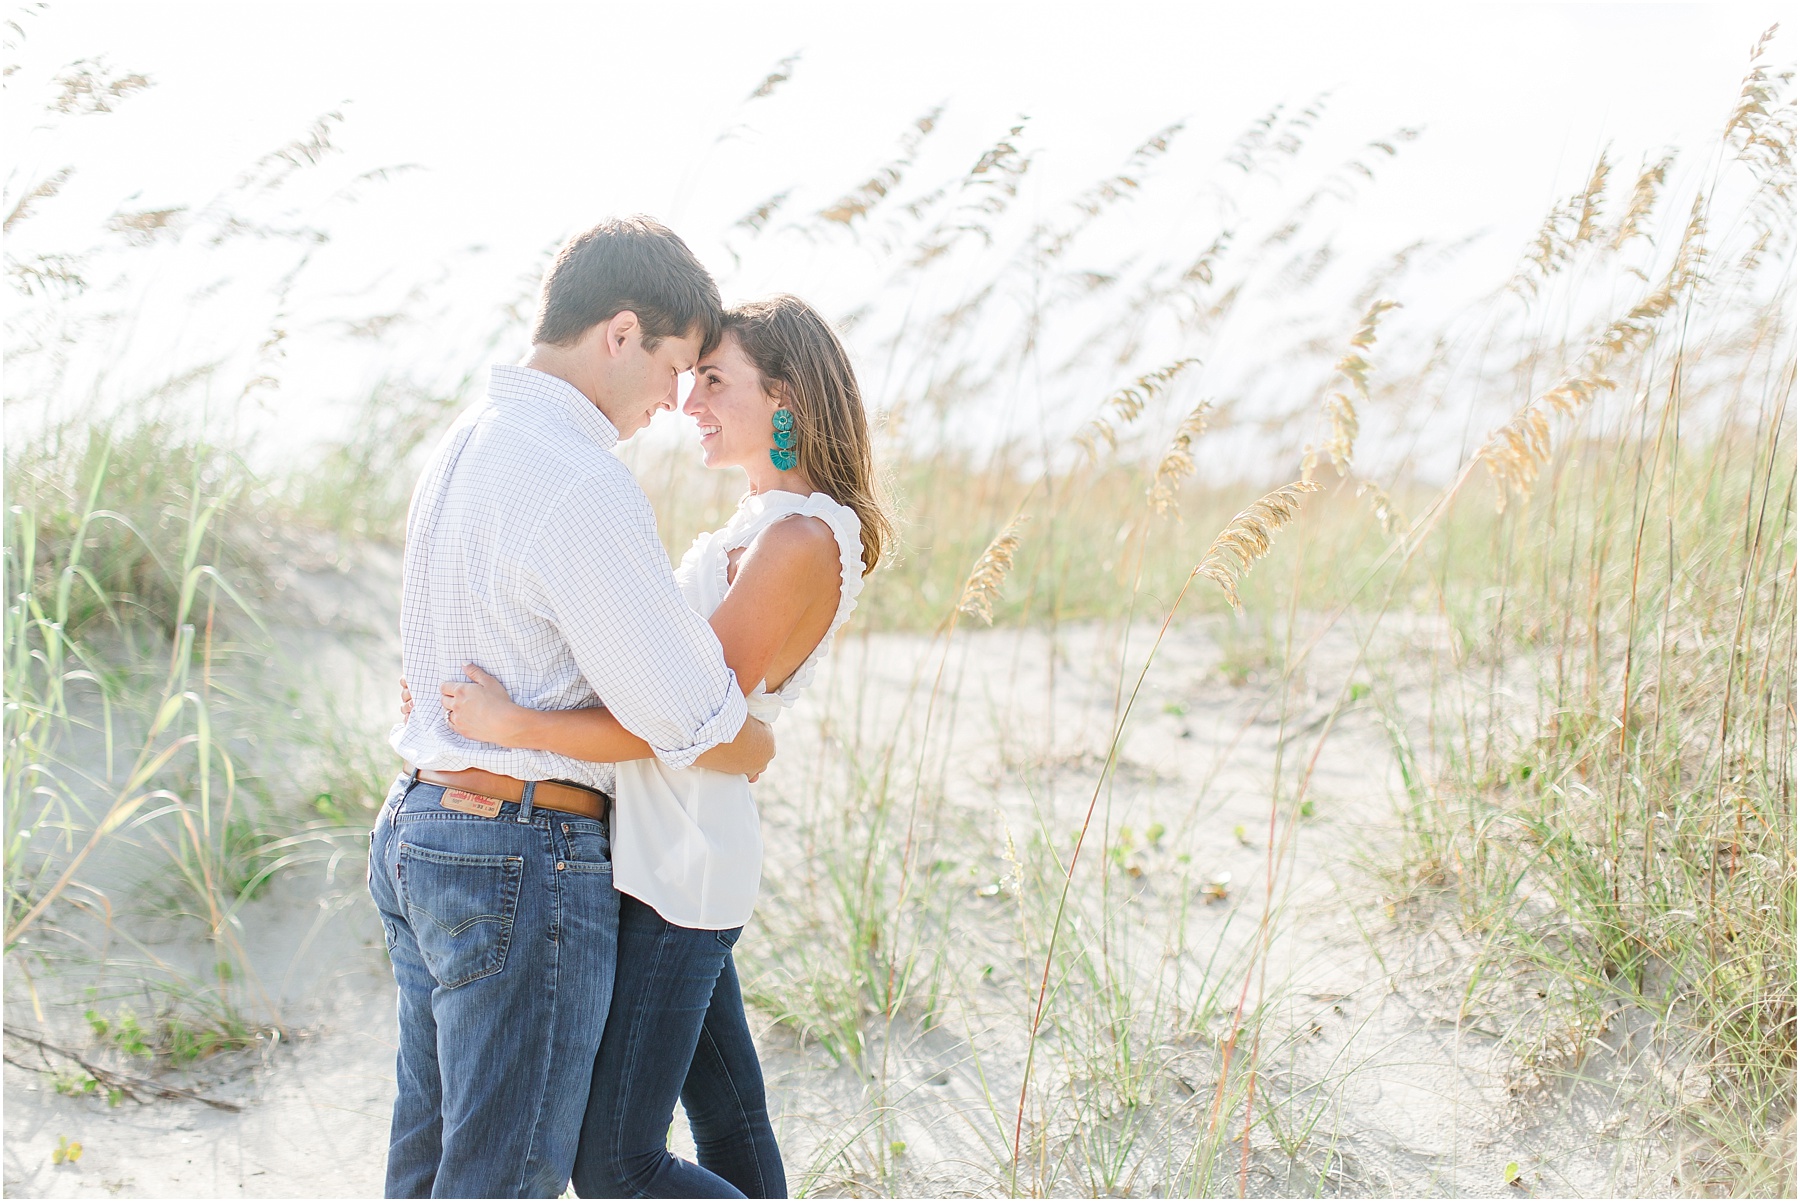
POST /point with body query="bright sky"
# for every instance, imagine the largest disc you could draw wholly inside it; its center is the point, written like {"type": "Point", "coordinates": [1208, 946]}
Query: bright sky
{"type": "Point", "coordinates": [531, 120]}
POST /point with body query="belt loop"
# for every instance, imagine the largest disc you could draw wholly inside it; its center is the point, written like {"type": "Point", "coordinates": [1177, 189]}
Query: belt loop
{"type": "Point", "coordinates": [526, 804]}
{"type": "Point", "coordinates": [411, 780]}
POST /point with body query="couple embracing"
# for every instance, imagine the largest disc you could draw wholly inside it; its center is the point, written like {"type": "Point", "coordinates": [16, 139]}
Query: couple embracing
{"type": "Point", "coordinates": [566, 862]}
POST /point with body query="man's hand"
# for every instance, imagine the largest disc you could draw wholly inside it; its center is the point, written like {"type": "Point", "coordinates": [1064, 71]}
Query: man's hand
{"type": "Point", "coordinates": [746, 755]}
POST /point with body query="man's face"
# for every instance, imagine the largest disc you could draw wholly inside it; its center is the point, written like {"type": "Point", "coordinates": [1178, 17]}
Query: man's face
{"type": "Point", "coordinates": [649, 381]}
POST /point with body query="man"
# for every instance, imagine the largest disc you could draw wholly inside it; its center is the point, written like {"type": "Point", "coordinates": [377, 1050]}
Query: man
{"type": "Point", "coordinates": [531, 551]}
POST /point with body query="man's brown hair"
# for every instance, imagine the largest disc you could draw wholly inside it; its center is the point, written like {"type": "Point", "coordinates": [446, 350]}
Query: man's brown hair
{"type": "Point", "coordinates": [634, 263]}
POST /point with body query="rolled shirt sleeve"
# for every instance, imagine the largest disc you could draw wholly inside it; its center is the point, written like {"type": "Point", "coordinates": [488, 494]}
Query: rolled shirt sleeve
{"type": "Point", "coordinates": [603, 579]}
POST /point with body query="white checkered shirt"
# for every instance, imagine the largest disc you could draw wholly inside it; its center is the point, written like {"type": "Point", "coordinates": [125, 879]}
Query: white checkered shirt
{"type": "Point", "coordinates": [531, 552]}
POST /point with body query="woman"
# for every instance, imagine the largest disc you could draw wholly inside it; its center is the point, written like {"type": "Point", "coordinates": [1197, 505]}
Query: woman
{"type": "Point", "coordinates": [779, 400]}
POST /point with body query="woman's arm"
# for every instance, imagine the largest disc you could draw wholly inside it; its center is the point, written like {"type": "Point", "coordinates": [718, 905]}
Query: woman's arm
{"type": "Point", "coordinates": [482, 710]}
{"type": "Point", "coordinates": [787, 580]}
{"type": "Point", "coordinates": [788, 574]}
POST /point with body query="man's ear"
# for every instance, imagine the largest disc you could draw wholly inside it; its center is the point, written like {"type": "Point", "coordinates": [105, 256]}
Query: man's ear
{"type": "Point", "coordinates": [622, 329]}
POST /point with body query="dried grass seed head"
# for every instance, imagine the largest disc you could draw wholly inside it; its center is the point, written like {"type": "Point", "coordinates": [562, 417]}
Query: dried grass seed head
{"type": "Point", "coordinates": [1248, 536]}
{"type": "Point", "coordinates": [1127, 405]}
{"type": "Point", "coordinates": [1340, 407]}
{"type": "Point", "coordinates": [982, 587]}
{"type": "Point", "coordinates": [1643, 199]}
{"type": "Point", "coordinates": [1515, 453]}
{"type": "Point", "coordinates": [1177, 462]}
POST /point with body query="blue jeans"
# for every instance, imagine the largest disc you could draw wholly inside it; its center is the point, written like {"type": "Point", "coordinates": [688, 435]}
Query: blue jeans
{"type": "Point", "coordinates": [503, 933]}
{"type": "Point", "coordinates": [677, 1027]}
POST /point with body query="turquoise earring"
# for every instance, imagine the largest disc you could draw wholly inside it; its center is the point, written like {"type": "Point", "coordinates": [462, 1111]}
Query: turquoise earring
{"type": "Point", "coordinates": [783, 455]}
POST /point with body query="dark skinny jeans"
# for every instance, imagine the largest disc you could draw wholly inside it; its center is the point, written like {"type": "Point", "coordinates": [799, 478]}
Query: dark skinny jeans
{"type": "Point", "coordinates": [676, 1028]}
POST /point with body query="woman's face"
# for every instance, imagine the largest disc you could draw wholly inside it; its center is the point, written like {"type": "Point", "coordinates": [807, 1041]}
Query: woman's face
{"type": "Point", "coordinates": [734, 413]}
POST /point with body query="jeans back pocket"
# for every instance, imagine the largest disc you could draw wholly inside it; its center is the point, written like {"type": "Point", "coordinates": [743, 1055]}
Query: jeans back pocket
{"type": "Point", "coordinates": [461, 909]}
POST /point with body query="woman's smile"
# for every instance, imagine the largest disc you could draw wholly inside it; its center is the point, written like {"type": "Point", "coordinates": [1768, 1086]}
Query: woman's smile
{"type": "Point", "coordinates": [731, 409]}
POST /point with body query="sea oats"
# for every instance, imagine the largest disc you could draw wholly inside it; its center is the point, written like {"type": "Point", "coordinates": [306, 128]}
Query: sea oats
{"type": "Point", "coordinates": [48, 275]}
{"type": "Point", "coordinates": [859, 200]}
{"type": "Point", "coordinates": [1391, 519]}
{"type": "Point", "coordinates": [1340, 407]}
{"type": "Point", "coordinates": [274, 169]}
{"type": "Point", "coordinates": [1246, 538]}
{"type": "Point", "coordinates": [1587, 218]}
{"type": "Point", "coordinates": [1090, 204]}
{"type": "Point", "coordinates": [1341, 183]}
{"type": "Point", "coordinates": [1516, 451]}
{"type": "Point", "coordinates": [1643, 199]}
{"type": "Point", "coordinates": [1762, 132]}
{"type": "Point", "coordinates": [1569, 225]}
{"type": "Point", "coordinates": [784, 71]}
{"type": "Point", "coordinates": [1692, 252]}
{"type": "Point", "coordinates": [758, 217]}
{"type": "Point", "coordinates": [1250, 143]}
{"type": "Point", "coordinates": [1177, 463]}
{"type": "Point", "coordinates": [1127, 405]}
{"type": "Point", "coordinates": [1756, 93]}
{"type": "Point", "coordinates": [983, 193]}
{"type": "Point", "coordinates": [51, 185]}
{"type": "Point", "coordinates": [145, 227]}
{"type": "Point", "coordinates": [89, 86]}
{"type": "Point", "coordinates": [1201, 270]}
{"type": "Point", "coordinates": [990, 572]}
{"type": "Point", "coordinates": [1340, 411]}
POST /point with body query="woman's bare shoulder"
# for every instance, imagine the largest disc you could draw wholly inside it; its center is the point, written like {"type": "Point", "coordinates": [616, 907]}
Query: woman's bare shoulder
{"type": "Point", "coordinates": [799, 550]}
{"type": "Point", "coordinates": [798, 539]}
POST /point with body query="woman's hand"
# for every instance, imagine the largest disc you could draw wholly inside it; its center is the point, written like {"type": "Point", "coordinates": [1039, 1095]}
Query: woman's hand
{"type": "Point", "coordinates": [405, 700]}
{"type": "Point", "coordinates": [483, 711]}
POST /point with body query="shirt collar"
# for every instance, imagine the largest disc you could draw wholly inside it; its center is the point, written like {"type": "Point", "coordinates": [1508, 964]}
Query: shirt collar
{"type": "Point", "coordinates": [511, 384]}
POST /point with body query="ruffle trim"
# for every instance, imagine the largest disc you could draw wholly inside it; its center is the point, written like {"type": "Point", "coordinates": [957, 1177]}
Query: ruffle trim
{"type": "Point", "coordinates": [757, 513]}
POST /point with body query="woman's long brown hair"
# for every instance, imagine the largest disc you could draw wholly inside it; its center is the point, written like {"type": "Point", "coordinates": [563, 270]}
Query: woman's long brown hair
{"type": "Point", "coordinates": [804, 366]}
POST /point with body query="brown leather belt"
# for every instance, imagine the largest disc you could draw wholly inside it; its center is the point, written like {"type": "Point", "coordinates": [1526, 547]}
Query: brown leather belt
{"type": "Point", "coordinates": [476, 791]}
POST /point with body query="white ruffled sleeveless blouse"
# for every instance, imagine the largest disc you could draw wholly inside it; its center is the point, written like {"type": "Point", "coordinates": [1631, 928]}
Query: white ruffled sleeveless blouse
{"type": "Point", "coordinates": [687, 841]}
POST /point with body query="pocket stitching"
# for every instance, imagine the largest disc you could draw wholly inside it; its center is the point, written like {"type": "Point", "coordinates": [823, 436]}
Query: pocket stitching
{"type": "Point", "coordinates": [585, 836]}
{"type": "Point", "coordinates": [434, 856]}
{"type": "Point", "coordinates": [512, 871]}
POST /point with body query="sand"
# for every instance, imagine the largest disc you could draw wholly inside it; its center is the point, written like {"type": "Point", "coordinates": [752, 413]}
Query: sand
{"type": "Point", "coordinates": [1372, 1082]}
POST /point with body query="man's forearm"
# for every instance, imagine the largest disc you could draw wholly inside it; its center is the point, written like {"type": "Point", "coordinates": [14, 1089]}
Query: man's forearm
{"type": "Point", "coordinates": [654, 661]}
